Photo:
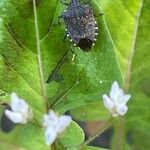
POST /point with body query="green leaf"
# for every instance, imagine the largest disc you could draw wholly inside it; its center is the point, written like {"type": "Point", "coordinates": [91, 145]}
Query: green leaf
{"type": "Point", "coordinates": [93, 148]}
{"type": "Point", "coordinates": [87, 148]}
{"type": "Point", "coordinates": [89, 73]}
{"type": "Point", "coordinates": [28, 137]}
{"type": "Point", "coordinates": [72, 136]}
{"type": "Point", "coordinates": [93, 112]}
{"type": "Point", "coordinates": [131, 40]}
{"type": "Point", "coordinates": [120, 27]}
{"type": "Point", "coordinates": [5, 146]}
{"type": "Point", "coordinates": [32, 138]}
{"type": "Point", "coordinates": [140, 71]}
{"type": "Point", "coordinates": [121, 20]}
{"type": "Point", "coordinates": [130, 33]}
{"type": "Point", "coordinates": [139, 110]}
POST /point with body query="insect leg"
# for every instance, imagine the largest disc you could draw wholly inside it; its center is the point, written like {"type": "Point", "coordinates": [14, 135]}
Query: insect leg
{"type": "Point", "coordinates": [64, 39]}
{"type": "Point", "coordinates": [87, 2]}
{"type": "Point", "coordinates": [55, 75]}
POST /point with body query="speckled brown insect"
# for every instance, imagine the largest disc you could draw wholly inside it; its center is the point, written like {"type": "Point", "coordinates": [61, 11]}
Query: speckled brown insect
{"type": "Point", "coordinates": [81, 26]}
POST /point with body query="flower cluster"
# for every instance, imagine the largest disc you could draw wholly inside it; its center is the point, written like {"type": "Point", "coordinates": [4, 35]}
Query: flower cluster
{"type": "Point", "coordinates": [20, 112]}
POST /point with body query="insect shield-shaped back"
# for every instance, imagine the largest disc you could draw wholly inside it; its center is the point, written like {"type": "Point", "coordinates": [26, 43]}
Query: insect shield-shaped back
{"type": "Point", "coordinates": [6, 124]}
{"type": "Point", "coordinates": [81, 26]}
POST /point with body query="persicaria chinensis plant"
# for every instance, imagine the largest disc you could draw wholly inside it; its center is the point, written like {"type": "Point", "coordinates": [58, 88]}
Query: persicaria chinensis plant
{"type": "Point", "coordinates": [88, 94]}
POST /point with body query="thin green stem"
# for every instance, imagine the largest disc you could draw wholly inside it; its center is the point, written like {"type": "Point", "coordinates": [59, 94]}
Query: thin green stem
{"type": "Point", "coordinates": [43, 86]}
{"type": "Point", "coordinates": [66, 93]}
{"type": "Point", "coordinates": [119, 134]}
{"type": "Point", "coordinates": [99, 132]}
{"type": "Point", "coordinates": [53, 147]}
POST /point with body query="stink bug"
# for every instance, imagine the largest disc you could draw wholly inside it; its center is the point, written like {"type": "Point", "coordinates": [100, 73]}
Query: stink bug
{"type": "Point", "coordinates": [81, 26]}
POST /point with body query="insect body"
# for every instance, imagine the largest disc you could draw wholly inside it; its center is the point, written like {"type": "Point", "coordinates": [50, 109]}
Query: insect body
{"type": "Point", "coordinates": [81, 26]}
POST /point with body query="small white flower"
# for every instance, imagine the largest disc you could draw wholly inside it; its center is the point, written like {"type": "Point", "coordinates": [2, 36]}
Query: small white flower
{"type": "Point", "coordinates": [20, 111]}
{"type": "Point", "coordinates": [116, 101]}
{"type": "Point", "coordinates": [53, 125]}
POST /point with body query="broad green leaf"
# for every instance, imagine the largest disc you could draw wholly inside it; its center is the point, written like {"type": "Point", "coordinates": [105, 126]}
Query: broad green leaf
{"type": "Point", "coordinates": [138, 72]}
{"type": "Point", "coordinates": [128, 23]}
{"type": "Point", "coordinates": [4, 146]}
{"type": "Point", "coordinates": [139, 110]}
{"type": "Point", "coordinates": [121, 20]}
{"type": "Point", "coordinates": [89, 73]}
{"type": "Point", "coordinates": [32, 138]}
{"type": "Point", "coordinates": [122, 27]}
{"type": "Point", "coordinates": [72, 136]}
{"type": "Point", "coordinates": [93, 112]}
{"type": "Point", "coordinates": [120, 17]}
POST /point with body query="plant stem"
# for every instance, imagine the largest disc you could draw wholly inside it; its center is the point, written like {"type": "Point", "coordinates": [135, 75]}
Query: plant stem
{"type": "Point", "coordinates": [52, 147]}
{"type": "Point", "coordinates": [43, 87]}
{"type": "Point", "coordinates": [119, 134]}
{"type": "Point", "coordinates": [99, 132]}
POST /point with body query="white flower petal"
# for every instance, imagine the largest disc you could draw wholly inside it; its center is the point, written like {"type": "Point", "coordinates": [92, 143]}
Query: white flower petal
{"type": "Point", "coordinates": [14, 102]}
{"type": "Point", "coordinates": [53, 117]}
{"type": "Point", "coordinates": [50, 119]}
{"type": "Point", "coordinates": [115, 91]}
{"type": "Point", "coordinates": [121, 109]}
{"type": "Point", "coordinates": [50, 135]}
{"type": "Point", "coordinates": [107, 102]}
{"type": "Point", "coordinates": [53, 114]}
{"type": "Point", "coordinates": [14, 117]}
{"type": "Point", "coordinates": [53, 125]}
{"type": "Point", "coordinates": [124, 99]}
{"type": "Point", "coordinates": [121, 93]}
{"type": "Point", "coordinates": [18, 105]}
{"type": "Point", "coordinates": [23, 106]}
{"type": "Point", "coordinates": [45, 120]}
{"type": "Point", "coordinates": [64, 121]}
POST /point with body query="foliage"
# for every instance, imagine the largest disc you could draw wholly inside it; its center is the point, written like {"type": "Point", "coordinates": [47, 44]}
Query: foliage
{"type": "Point", "coordinates": [121, 53]}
